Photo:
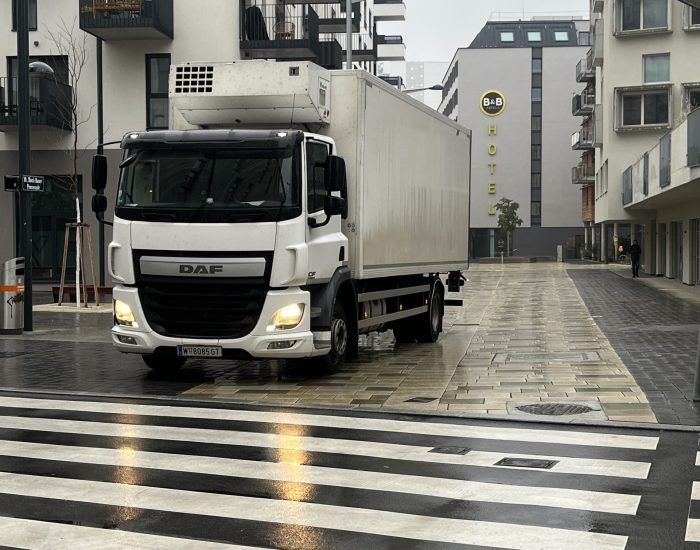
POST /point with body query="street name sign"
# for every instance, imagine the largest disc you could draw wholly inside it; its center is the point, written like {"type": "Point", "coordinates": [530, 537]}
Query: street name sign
{"type": "Point", "coordinates": [25, 183]}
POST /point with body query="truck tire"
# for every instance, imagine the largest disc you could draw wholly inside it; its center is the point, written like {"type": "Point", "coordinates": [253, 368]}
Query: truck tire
{"type": "Point", "coordinates": [340, 336]}
{"type": "Point", "coordinates": [164, 360]}
{"type": "Point", "coordinates": [429, 325]}
{"type": "Point", "coordinates": [405, 331]}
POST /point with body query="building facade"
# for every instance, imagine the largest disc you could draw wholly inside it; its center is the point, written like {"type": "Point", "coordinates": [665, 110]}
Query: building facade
{"type": "Point", "coordinates": [647, 89]}
{"type": "Point", "coordinates": [512, 86]}
{"type": "Point", "coordinates": [140, 39]}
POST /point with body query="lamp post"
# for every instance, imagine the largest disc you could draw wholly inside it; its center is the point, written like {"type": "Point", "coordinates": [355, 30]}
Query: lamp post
{"type": "Point", "coordinates": [348, 32]}
{"type": "Point", "coordinates": [436, 88]}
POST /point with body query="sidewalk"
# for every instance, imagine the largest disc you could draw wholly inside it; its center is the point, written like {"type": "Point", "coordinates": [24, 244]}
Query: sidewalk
{"type": "Point", "coordinates": [528, 335]}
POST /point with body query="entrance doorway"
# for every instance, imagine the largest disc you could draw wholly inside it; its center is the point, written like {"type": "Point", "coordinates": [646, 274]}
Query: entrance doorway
{"type": "Point", "coordinates": [694, 252]}
{"type": "Point", "coordinates": [662, 249]}
{"type": "Point", "coordinates": [677, 250]}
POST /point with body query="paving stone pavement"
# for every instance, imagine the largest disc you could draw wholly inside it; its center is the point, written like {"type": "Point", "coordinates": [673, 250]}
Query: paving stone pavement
{"type": "Point", "coordinates": [654, 334]}
{"type": "Point", "coordinates": [524, 336]}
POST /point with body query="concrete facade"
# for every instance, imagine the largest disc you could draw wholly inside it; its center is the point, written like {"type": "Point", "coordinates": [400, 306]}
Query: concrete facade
{"type": "Point", "coordinates": [523, 153]}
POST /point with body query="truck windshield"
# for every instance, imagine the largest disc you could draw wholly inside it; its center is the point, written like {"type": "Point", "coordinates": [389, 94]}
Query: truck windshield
{"type": "Point", "coordinates": [209, 185]}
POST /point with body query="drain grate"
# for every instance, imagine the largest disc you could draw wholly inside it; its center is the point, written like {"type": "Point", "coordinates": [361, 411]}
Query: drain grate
{"type": "Point", "coordinates": [420, 400]}
{"type": "Point", "coordinates": [552, 357]}
{"type": "Point", "coordinates": [554, 409]}
{"type": "Point", "coordinates": [527, 463]}
{"type": "Point", "coordinates": [450, 450]}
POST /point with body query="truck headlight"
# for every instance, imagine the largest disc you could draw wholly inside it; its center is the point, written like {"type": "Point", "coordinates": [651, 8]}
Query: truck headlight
{"type": "Point", "coordinates": [286, 318]}
{"type": "Point", "coordinates": [123, 314]}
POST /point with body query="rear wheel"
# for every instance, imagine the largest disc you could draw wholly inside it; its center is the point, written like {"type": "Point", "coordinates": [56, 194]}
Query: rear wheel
{"type": "Point", "coordinates": [164, 360]}
{"type": "Point", "coordinates": [429, 325]}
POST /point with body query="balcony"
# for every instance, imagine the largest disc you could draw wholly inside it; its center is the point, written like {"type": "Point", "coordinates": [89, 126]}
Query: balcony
{"type": "Point", "coordinates": [389, 10]}
{"type": "Point", "coordinates": [127, 19]}
{"type": "Point", "coordinates": [585, 71]}
{"type": "Point", "coordinates": [597, 6]}
{"type": "Point", "coordinates": [268, 33]}
{"type": "Point", "coordinates": [50, 104]}
{"type": "Point", "coordinates": [333, 20]}
{"type": "Point", "coordinates": [598, 126]}
{"type": "Point", "coordinates": [331, 55]}
{"type": "Point", "coordinates": [390, 48]}
{"type": "Point", "coordinates": [583, 139]}
{"type": "Point", "coordinates": [583, 104]}
{"type": "Point", "coordinates": [582, 174]}
{"type": "Point", "coordinates": [363, 47]}
{"type": "Point", "coordinates": [668, 175]}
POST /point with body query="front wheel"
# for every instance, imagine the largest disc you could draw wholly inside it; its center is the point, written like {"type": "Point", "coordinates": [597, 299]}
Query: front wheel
{"type": "Point", "coordinates": [164, 360]}
{"type": "Point", "coordinates": [340, 337]}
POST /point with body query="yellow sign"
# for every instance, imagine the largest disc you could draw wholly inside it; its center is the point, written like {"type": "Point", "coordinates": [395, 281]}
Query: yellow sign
{"type": "Point", "coordinates": [492, 103]}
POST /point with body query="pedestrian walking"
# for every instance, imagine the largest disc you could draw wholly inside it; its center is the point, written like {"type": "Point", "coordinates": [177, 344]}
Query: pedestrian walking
{"type": "Point", "coordinates": [635, 254]}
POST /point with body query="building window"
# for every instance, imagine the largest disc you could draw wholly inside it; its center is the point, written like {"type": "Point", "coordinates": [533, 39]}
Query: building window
{"type": "Point", "coordinates": [691, 18]}
{"type": "Point", "coordinates": [157, 71]}
{"type": "Point", "coordinates": [584, 38]}
{"type": "Point", "coordinates": [657, 68]}
{"type": "Point", "coordinates": [536, 123]}
{"type": "Point", "coordinates": [536, 66]}
{"type": "Point", "coordinates": [535, 36]}
{"type": "Point", "coordinates": [691, 97]}
{"type": "Point", "coordinates": [536, 152]}
{"type": "Point", "coordinates": [536, 181]}
{"type": "Point", "coordinates": [694, 17]}
{"type": "Point", "coordinates": [507, 37]}
{"type": "Point", "coordinates": [639, 15]}
{"type": "Point", "coordinates": [537, 95]}
{"type": "Point", "coordinates": [536, 209]}
{"type": "Point", "coordinates": [561, 36]}
{"type": "Point", "coordinates": [31, 7]}
{"type": "Point", "coordinates": [644, 108]}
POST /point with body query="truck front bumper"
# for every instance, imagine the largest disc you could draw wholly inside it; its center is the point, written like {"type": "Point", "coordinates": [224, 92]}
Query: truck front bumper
{"type": "Point", "coordinates": [260, 343]}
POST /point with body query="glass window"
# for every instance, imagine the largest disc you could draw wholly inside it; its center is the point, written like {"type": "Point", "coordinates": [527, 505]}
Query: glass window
{"type": "Point", "coordinates": [316, 155]}
{"type": "Point", "coordinates": [537, 95]}
{"type": "Point", "coordinates": [655, 14]}
{"type": "Point", "coordinates": [584, 38]}
{"type": "Point", "coordinates": [157, 106]}
{"type": "Point", "coordinates": [631, 14]}
{"type": "Point", "coordinates": [694, 16]}
{"type": "Point", "coordinates": [536, 152]}
{"type": "Point", "coordinates": [507, 37]}
{"type": "Point", "coordinates": [536, 123]}
{"type": "Point", "coordinates": [536, 209]}
{"type": "Point", "coordinates": [632, 110]}
{"type": "Point", "coordinates": [693, 99]}
{"type": "Point", "coordinates": [535, 36]}
{"type": "Point", "coordinates": [31, 6]}
{"type": "Point", "coordinates": [649, 108]}
{"type": "Point", "coordinates": [561, 36]}
{"type": "Point", "coordinates": [657, 68]}
{"type": "Point", "coordinates": [536, 66]}
{"type": "Point", "coordinates": [656, 108]}
{"type": "Point", "coordinates": [536, 181]}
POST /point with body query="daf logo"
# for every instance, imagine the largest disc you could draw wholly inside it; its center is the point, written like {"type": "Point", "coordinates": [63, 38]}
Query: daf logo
{"type": "Point", "coordinates": [189, 269]}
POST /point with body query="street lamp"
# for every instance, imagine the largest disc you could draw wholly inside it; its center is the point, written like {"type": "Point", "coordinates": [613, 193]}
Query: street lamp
{"type": "Point", "coordinates": [436, 88]}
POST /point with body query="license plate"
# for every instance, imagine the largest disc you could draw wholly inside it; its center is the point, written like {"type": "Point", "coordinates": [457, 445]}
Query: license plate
{"type": "Point", "coordinates": [199, 351]}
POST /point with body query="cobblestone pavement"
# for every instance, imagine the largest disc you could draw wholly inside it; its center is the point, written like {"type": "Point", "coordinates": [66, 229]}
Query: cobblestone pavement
{"type": "Point", "coordinates": [523, 337]}
{"type": "Point", "coordinates": [653, 333]}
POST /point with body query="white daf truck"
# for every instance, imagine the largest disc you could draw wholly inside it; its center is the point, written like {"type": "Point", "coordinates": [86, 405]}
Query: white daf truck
{"type": "Point", "coordinates": [288, 210]}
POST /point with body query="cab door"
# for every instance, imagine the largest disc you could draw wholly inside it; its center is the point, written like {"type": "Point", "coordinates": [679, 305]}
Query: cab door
{"type": "Point", "coordinates": [327, 245]}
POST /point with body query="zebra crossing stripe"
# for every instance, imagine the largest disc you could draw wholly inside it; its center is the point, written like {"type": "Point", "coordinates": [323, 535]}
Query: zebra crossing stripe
{"type": "Point", "coordinates": [375, 424]}
{"type": "Point", "coordinates": [42, 535]}
{"type": "Point", "coordinates": [587, 466]}
{"type": "Point", "coordinates": [593, 501]}
{"type": "Point", "coordinates": [406, 526]}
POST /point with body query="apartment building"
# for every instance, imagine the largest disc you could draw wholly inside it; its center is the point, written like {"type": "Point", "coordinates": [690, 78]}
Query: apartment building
{"type": "Point", "coordinates": [513, 87]}
{"type": "Point", "coordinates": [647, 133]}
{"type": "Point", "coordinates": [139, 40]}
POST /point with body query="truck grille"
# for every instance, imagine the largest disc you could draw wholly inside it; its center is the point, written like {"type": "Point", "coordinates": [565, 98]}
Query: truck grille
{"type": "Point", "coordinates": [208, 311]}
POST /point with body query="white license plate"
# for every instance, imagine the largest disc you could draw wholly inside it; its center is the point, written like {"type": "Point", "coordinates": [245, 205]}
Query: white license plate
{"type": "Point", "coordinates": [199, 351]}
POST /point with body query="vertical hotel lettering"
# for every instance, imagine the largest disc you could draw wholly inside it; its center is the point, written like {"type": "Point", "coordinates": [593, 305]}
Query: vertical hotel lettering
{"type": "Point", "coordinates": [492, 104]}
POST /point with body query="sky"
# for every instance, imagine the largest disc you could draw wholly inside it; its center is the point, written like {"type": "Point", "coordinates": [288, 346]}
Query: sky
{"type": "Point", "coordinates": [434, 29]}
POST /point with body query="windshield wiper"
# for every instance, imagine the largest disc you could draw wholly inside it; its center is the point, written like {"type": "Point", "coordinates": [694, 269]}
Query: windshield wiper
{"type": "Point", "coordinates": [206, 202]}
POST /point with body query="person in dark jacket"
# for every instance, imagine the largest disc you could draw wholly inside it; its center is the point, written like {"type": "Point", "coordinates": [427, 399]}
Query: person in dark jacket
{"type": "Point", "coordinates": [635, 254]}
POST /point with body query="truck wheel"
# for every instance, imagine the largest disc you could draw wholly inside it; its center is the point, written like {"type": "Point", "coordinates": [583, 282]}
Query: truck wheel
{"type": "Point", "coordinates": [163, 361]}
{"type": "Point", "coordinates": [340, 336]}
{"type": "Point", "coordinates": [429, 325]}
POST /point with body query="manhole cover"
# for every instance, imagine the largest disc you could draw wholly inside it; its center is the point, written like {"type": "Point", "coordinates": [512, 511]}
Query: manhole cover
{"type": "Point", "coordinates": [450, 450]}
{"type": "Point", "coordinates": [555, 409]}
{"type": "Point", "coordinates": [527, 463]}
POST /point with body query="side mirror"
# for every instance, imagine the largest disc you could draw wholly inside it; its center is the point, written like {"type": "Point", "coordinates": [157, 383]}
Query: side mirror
{"type": "Point", "coordinates": [99, 204]}
{"type": "Point", "coordinates": [99, 173]}
{"type": "Point", "coordinates": [335, 175]}
{"type": "Point", "coordinates": [334, 206]}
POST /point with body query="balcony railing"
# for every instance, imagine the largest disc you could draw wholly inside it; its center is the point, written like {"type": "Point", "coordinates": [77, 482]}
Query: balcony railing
{"type": "Point", "coordinates": [127, 19]}
{"type": "Point", "coordinates": [583, 173]}
{"type": "Point", "coordinates": [583, 139]}
{"type": "Point", "coordinates": [364, 47]}
{"type": "Point", "coordinates": [584, 70]}
{"type": "Point", "coordinates": [332, 18]}
{"type": "Point", "coordinates": [50, 103]}
{"type": "Point", "coordinates": [583, 104]}
{"type": "Point", "coordinates": [694, 138]}
{"type": "Point", "coordinates": [389, 10]}
{"type": "Point", "coordinates": [270, 32]}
